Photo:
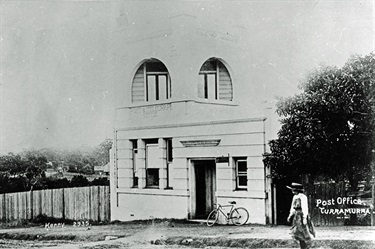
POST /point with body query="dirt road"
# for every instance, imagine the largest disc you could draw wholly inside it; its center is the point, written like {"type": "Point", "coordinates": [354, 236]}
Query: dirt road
{"type": "Point", "coordinates": [177, 234]}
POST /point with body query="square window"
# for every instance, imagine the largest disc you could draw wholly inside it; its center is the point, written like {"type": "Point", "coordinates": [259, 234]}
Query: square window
{"type": "Point", "coordinates": [157, 87]}
{"type": "Point", "coordinates": [242, 181]}
{"type": "Point", "coordinates": [211, 86]}
{"type": "Point", "coordinates": [242, 166]}
{"type": "Point", "coordinates": [153, 164]}
{"type": "Point", "coordinates": [241, 174]}
{"type": "Point", "coordinates": [169, 150]}
{"type": "Point", "coordinates": [134, 159]}
{"type": "Point", "coordinates": [151, 87]}
{"type": "Point", "coordinates": [135, 182]}
{"type": "Point", "coordinates": [152, 177]}
{"type": "Point", "coordinates": [207, 86]}
{"type": "Point", "coordinates": [162, 87]}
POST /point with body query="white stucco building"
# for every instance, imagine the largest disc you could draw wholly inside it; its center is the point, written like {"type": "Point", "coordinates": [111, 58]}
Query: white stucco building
{"type": "Point", "coordinates": [183, 138]}
{"type": "Point", "coordinates": [194, 83]}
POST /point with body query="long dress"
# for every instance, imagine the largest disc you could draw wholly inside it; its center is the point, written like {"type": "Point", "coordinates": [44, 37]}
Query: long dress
{"type": "Point", "coordinates": [299, 231]}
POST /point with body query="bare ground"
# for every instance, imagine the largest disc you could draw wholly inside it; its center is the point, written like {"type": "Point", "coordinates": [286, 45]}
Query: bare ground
{"type": "Point", "coordinates": [178, 234]}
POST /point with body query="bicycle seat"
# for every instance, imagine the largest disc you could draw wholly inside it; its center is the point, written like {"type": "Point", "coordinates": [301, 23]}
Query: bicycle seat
{"type": "Point", "coordinates": [232, 202]}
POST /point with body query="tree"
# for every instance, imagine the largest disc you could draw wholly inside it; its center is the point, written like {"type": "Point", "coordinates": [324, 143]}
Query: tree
{"type": "Point", "coordinates": [12, 164]}
{"type": "Point", "coordinates": [26, 171]}
{"type": "Point", "coordinates": [87, 169]}
{"type": "Point", "coordinates": [328, 129]}
{"type": "Point", "coordinates": [53, 183]}
{"type": "Point", "coordinates": [74, 160]}
{"type": "Point", "coordinates": [79, 181]}
{"type": "Point", "coordinates": [4, 183]}
{"type": "Point", "coordinates": [101, 152]}
{"type": "Point", "coordinates": [27, 168]}
{"type": "Point", "coordinates": [101, 181]}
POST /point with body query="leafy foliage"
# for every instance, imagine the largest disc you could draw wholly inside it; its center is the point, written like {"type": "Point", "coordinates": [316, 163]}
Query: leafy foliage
{"type": "Point", "coordinates": [27, 170]}
{"type": "Point", "coordinates": [101, 153]}
{"type": "Point", "coordinates": [79, 181]}
{"type": "Point", "coordinates": [84, 160]}
{"type": "Point", "coordinates": [328, 130]}
{"type": "Point", "coordinates": [101, 181]}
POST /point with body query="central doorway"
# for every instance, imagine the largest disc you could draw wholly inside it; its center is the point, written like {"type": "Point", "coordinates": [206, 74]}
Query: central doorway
{"type": "Point", "coordinates": [204, 187]}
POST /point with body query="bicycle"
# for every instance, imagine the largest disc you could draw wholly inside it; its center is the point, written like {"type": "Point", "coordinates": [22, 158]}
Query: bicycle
{"type": "Point", "coordinates": [238, 216]}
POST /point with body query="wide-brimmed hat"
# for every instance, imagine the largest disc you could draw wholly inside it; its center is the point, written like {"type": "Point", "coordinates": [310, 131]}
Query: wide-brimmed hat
{"type": "Point", "coordinates": [296, 186]}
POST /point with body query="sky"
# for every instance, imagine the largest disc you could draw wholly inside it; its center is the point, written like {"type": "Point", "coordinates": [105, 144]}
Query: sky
{"type": "Point", "coordinates": [57, 62]}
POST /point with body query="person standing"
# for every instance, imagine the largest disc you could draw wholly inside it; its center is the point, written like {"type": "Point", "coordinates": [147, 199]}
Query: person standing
{"type": "Point", "coordinates": [302, 229]}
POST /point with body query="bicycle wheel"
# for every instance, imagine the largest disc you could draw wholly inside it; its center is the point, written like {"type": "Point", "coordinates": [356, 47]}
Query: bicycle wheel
{"type": "Point", "coordinates": [239, 216]}
{"type": "Point", "coordinates": [212, 218]}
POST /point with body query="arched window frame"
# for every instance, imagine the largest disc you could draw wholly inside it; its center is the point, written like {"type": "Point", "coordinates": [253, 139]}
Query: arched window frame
{"type": "Point", "coordinates": [155, 84]}
{"type": "Point", "coordinates": [215, 82]}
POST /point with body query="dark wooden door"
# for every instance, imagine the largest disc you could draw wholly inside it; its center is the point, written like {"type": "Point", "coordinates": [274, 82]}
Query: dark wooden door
{"type": "Point", "coordinates": [205, 187]}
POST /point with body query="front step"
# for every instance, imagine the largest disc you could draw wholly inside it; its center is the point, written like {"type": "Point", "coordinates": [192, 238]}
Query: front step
{"type": "Point", "coordinates": [197, 221]}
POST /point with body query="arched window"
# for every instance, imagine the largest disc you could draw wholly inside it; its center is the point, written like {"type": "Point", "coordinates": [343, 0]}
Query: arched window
{"type": "Point", "coordinates": [214, 81]}
{"type": "Point", "coordinates": [151, 82]}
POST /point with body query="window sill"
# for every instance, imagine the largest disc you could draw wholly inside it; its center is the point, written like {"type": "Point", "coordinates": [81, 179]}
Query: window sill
{"type": "Point", "coordinates": [249, 194]}
{"type": "Point", "coordinates": [148, 191]}
{"type": "Point", "coordinates": [215, 102]}
{"type": "Point", "coordinates": [152, 187]}
{"type": "Point", "coordinates": [173, 101]}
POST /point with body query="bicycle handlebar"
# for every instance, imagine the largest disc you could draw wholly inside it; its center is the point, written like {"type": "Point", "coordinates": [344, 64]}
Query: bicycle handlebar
{"type": "Point", "coordinates": [230, 202]}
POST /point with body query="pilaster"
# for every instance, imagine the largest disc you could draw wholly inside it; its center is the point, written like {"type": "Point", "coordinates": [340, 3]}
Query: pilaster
{"type": "Point", "coordinates": [163, 167]}
{"type": "Point", "coordinates": [141, 163]}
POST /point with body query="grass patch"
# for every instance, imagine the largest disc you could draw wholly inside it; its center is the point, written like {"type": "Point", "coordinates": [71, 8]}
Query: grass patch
{"type": "Point", "coordinates": [223, 242]}
{"type": "Point", "coordinates": [16, 223]}
{"type": "Point", "coordinates": [153, 221]}
{"type": "Point", "coordinates": [28, 236]}
{"type": "Point", "coordinates": [111, 246]}
{"type": "Point", "coordinates": [267, 243]}
{"type": "Point", "coordinates": [344, 244]}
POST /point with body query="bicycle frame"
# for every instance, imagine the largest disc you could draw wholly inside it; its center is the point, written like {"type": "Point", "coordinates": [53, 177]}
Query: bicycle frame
{"type": "Point", "coordinates": [234, 214]}
{"type": "Point", "coordinates": [220, 208]}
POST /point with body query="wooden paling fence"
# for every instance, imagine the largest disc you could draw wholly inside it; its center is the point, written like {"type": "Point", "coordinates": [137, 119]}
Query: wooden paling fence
{"type": "Point", "coordinates": [326, 192]}
{"type": "Point", "coordinates": [83, 203]}
{"type": "Point", "coordinates": [332, 204]}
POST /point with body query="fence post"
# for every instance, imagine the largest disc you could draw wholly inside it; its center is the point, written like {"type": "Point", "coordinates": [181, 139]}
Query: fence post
{"type": "Point", "coordinates": [98, 203]}
{"type": "Point", "coordinates": [63, 204]}
{"type": "Point", "coordinates": [373, 204]}
{"type": "Point", "coordinates": [31, 205]}
{"type": "Point", "coordinates": [4, 207]}
{"type": "Point", "coordinates": [52, 209]}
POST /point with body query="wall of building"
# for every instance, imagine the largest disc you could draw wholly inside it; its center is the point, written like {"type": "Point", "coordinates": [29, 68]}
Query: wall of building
{"type": "Point", "coordinates": [183, 46]}
{"type": "Point", "coordinates": [150, 204]}
{"type": "Point", "coordinates": [268, 47]}
{"type": "Point", "coordinates": [183, 51]}
{"type": "Point", "coordinates": [237, 138]}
